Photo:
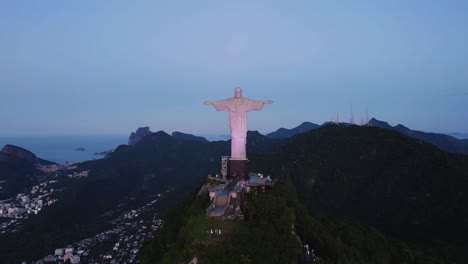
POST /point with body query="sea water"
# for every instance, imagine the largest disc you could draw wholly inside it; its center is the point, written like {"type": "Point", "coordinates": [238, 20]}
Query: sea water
{"type": "Point", "coordinates": [63, 149]}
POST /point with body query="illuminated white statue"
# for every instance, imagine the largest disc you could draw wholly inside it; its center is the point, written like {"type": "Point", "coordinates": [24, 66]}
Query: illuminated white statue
{"type": "Point", "coordinates": [238, 107]}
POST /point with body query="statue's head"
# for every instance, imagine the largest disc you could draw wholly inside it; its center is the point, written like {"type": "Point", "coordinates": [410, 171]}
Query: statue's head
{"type": "Point", "coordinates": [238, 92]}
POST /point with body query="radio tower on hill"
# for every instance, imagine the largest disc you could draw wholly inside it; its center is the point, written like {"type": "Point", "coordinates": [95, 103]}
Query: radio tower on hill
{"type": "Point", "coordinates": [351, 118]}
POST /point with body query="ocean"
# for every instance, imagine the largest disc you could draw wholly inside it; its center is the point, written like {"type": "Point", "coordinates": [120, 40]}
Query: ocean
{"type": "Point", "coordinates": [63, 149]}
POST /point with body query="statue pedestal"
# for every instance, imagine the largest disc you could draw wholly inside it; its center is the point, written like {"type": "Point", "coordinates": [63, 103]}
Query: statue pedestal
{"type": "Point", "coordinates": [238, 168]}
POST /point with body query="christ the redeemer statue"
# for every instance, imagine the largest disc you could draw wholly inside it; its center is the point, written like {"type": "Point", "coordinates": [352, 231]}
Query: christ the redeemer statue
{"type": "Point", "coordinates": [238, 107]}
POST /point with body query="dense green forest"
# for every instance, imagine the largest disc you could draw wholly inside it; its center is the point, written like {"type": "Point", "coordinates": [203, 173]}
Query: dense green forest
{"type": "Point", "coordinates": [14, 177]}
{"type": "Point", "coordinates": [366, 195]}
{"type": "Point", "coordinates": [400, 185]}
{"type": "Point", "coordinates": [266, 236]}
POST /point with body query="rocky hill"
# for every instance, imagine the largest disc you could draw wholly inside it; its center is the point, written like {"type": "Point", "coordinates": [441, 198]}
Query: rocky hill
{"type": "Point", "coordinates": [15, 154]}
{"type": "Point", "coordinates": [136, 136]}
{"type": "Point", "coordinates": [18, 170]}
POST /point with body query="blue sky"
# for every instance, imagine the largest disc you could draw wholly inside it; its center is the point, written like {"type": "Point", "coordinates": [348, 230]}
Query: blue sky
{"type": "Point", "coordinates": [108, 67]}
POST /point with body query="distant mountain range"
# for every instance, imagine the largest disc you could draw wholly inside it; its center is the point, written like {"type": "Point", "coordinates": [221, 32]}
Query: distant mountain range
{"type": "Point", "coordinates": [217, 137]}
{"type": "Point", "coordinates": [442, 141]}
{"type": "Point", "coordinates": [459, 135]}
{"type": "Point", "coordinates": [445, 142]}
{"type": "Point", "coordinates": [141, 132]}
{"type": "Point", "coordinates": [285, 133]}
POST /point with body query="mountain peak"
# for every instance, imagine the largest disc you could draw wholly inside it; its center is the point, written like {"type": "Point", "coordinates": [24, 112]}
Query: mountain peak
{"type": "Point", "coordinates": [285, 133]}
{"type": "Point", "coordinates": [136, 136]}
{"type": "Point", "coordinates": [378, 123]}
{"type": "Point", "coordinates": [161, 135]}
{"type": "Point", "coordinates": [11, 153]}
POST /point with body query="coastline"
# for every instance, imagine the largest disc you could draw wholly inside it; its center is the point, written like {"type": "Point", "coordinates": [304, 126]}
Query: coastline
{"type": "Point", "coordinates": [62, 149]}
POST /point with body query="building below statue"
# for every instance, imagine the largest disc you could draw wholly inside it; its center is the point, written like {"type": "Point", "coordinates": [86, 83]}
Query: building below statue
{"type": "Point", "coordinates": [238, 168]}
{"type": "Point", "coordinates": [227, 196]}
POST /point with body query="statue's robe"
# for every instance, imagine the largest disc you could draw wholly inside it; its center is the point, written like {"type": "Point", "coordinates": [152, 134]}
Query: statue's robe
{"type": "Point", "coordinates": [238, 108]}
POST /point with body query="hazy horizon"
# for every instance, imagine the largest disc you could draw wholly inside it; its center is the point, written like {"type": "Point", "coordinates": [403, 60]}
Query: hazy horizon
{"type": "Point", "coordinates": [209, 136]}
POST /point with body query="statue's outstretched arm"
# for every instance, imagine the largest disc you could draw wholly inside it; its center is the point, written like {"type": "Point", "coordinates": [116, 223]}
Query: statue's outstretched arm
{"type": "Point", "coordinates": [223, 105]}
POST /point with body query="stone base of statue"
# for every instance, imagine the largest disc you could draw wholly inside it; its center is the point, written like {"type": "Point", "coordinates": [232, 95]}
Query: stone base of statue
{"type": "Point", "coordinates": [238, 169]}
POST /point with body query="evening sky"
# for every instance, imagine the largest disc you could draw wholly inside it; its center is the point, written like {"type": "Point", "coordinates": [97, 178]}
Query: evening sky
{"type": "Point", "coordinates": [108, 67]}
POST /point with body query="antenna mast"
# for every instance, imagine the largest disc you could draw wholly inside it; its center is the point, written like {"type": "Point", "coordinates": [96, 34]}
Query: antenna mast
{"type": "Point", "coordinates": [367, 118]}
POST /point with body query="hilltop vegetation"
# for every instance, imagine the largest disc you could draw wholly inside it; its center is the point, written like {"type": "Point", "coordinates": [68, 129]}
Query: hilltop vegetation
{"type": "Point", "coordinates": [366, 195]}
{"type": "Point", "coordinates": [15, 177]}
{"type": "Point", "coordinates": [185, 234]}
{"type": "Point", "coordinates": [266, 236]}
{"type": "Point", "coordinates": [403, 186]}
